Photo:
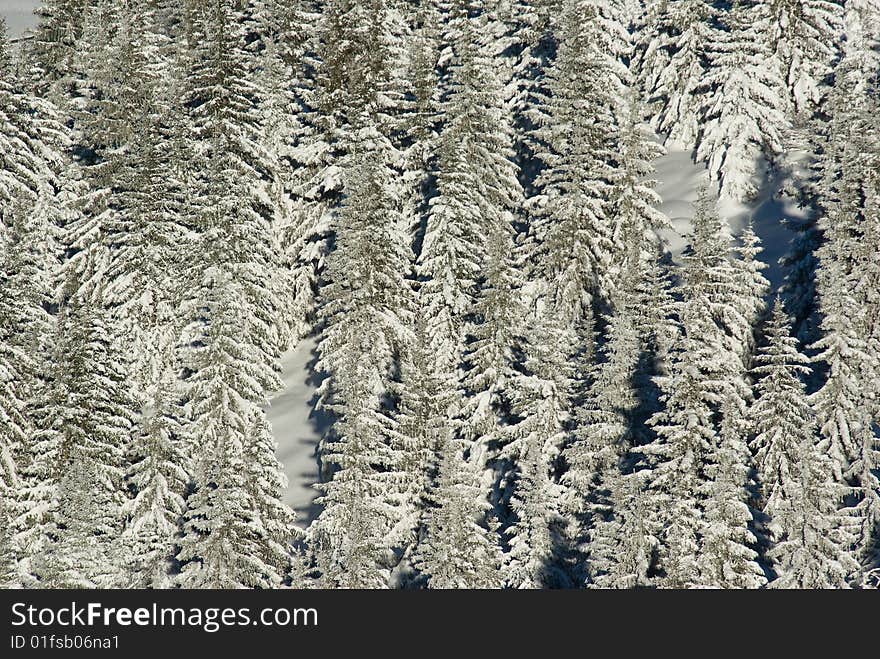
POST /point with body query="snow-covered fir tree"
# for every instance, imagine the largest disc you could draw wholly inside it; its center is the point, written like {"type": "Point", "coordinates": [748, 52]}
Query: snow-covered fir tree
{"type": "Point", "coordinates": [606, 496]}
{"type": "Point", "coordinates": [686, 438]}
{"type": "Point", "coordinates": [846, 280]}
{"type": "Point", "coordinates": [365, 309]}
{"type": "Point", "coordinates": [61, 25]}
{"type": "Point", "coordinates": [477, 194]}
{"type": "Point", "coordinates": [728, 556]}
{"type": "Point", "coordinates": [28, 216]}
{"type": "Point", "coordinates": [743, 111]}
{"type": "Point", "coordinates": [236, 532]}
{"type": "Point", "coordinates": [97, 417]}
{"type": "Point", "coordinates": [798, 490]}
{"type": "Point", "coordinates": [471, 281]}
{"type": "Point", "coordinates": [159, 473]}
{"type": "Point", "coordinates": [673, 63]}
{"type": "Point", "coordinates": [460, 549]}
{"type": "Point", "coordinates": [706, 367]}
{"type": "Point", "coordinates": [231, 342]}
{"type": "Point", "coordinates": [569, 223]}
{"type": "Point", "coordinates": [804, 35]}
{"type": "Point", "coordinates": [541, 399]}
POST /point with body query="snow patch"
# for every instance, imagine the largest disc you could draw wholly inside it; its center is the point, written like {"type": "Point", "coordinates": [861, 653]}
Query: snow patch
{"type": "Point", "coordinates": [297, 427]}
{"type": "Point", "coordinates": [19, 15]}
{"type": "Point", "coordinates": [678, 181]}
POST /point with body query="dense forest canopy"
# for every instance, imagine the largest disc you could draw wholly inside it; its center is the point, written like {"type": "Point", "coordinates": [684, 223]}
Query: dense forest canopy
{"type": "Point", "coordinates": [456, 200]}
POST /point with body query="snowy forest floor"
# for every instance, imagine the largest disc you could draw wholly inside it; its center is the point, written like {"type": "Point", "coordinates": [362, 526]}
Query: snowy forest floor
{"type": "Point", "coordinates": [298, 426]}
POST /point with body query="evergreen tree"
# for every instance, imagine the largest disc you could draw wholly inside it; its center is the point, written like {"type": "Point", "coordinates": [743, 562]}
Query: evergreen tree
{"type": "Point", "coordinates": [528, 494]}
{"type": "Point", "coordinates": [804, 35]}
{"type": "Point", "coordinates": [61, 24]}
{"type": "Point", "coordinates": [730, 290]}
{"type": "Point", "coordinates": [706, 366]}
{"type": "Point", "coordinates": [365, 308]}
{"type": "Point", "coordinates": [25, 351]}
{"type": "Point", "coordinates": [845, 404]}
{"type": "Point", "coordinates": [686, 438]}
{"type": "Point", "coordinates": [97, 419]}
{"type": "Point", "coordinates": [460, 550]}
{"type": "Point", "coordinates": [425, 398]}
{"type": "Point", "coordinates": [286, 78]}
{"type": "Point", "coordinates": [728, 558]}
{"type": "Point", "coordinates": [477, 195]}
{"type": "Point", "coordinates": [799, 493]}
{"type": "Point", "coordinates": [569, 217]}
{"type": "Point", "coordinates": [634, 208]}
{"type": "Point", "coordinates": [623, 542]}
{"type": "Point", "coordinates": [531, 561]}
{"type": "Point", "coordinates": [232, 341]}
{"type": "Point", "coordinates": [673, 63]}
{"type": "Point", "coordinates": [8, 574]}
{"type": "Point", "coordinates": [752, 287]}
{"type": "Point", "coordinates": [159, 474]}
{"type": "Point", "coordinates": [230, 531]}
{"type": "Point", "coordinates": [84, 553]}
{"type": "Point", "coordinates": [743, 113]}
{"type": "Point", "coordinates": [471, 228]}
{"type": "Point", "coordinates": [601, 457]}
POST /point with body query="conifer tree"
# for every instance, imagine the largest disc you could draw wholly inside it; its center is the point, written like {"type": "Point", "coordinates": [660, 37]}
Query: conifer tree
{"type": "Point", "coordinates": [9, 577]}
{"type": "Point", "coordinates": [425, 398]}
{"type": "Point", "coordinates": [728, 556]}
{"type": "Point", "coordinates": [25, 351]}
{"type": "Point", "coordinates": [232, 341]}
{"type": "Point", "coordinates": [799, 493]}
{"type": "Point", "coordinates": [477, 194]}
{"type": "Point", "coordinates": [528, 492]}
{"type": "Point", "coordinates": [97, 419]}
{"type": "Point", "coordinates": [622, 541]}
{"type": "Point", "coordinates": [602, 459]}
{"type": "Point", "coordinates": [352, 73]}
{"type": "Point", "coordinates": [470, 231]}
{"type": "Point", "coordinates": [743, 113]}
{"type": "Point", "coordinates": [752, 286]}
{"type": "Point", "coordinates": [365, 308]}
{"type": "Point", "coordinates": [847, 287]}
{"type": "Point", "coordinates": [61, 24]}
{"type": "Point", "coordinates": [159, 474]}
{"type": "Point", "coordinates": [686, 438]}
{"type": "Point", "coordinates": [804, 35]}
{"type": "Point", "coordinates": [569, 223]}
{"type": "Point", "coordinates": [673, 63]}
{"type": "Point", "coordinates": [706, 366]}
{"type": "Point", "coordinates": [460, 549]}
{"type": "Point", "coordinates": [229, 541]}
{"type": "Point", "coordinates": [634, 208]}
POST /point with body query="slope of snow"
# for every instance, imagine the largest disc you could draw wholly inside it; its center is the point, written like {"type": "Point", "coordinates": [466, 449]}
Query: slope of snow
{"type": "Point", "coordinates": [678, 181]}
{"type": "Point", "coordinates": [297, 427]}
{"type": "Point", "coordinates": [19, 15]}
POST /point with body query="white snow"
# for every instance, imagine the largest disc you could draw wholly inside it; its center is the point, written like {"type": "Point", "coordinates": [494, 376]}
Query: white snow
{"type": "Point", "coordinates": [297, 427]}
{"type": "Point", "coordinates": [678, 180]}
{"type": "Point", "coordinates": [19, 15]}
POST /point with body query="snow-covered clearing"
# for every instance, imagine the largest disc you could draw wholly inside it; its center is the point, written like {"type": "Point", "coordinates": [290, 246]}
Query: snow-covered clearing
{"type": "Point", "coordinates": [19, 15]}
{"type": "Point", "coordinates": [679, 180]}
{"type": "Point", "coordinates": [298, 427]}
